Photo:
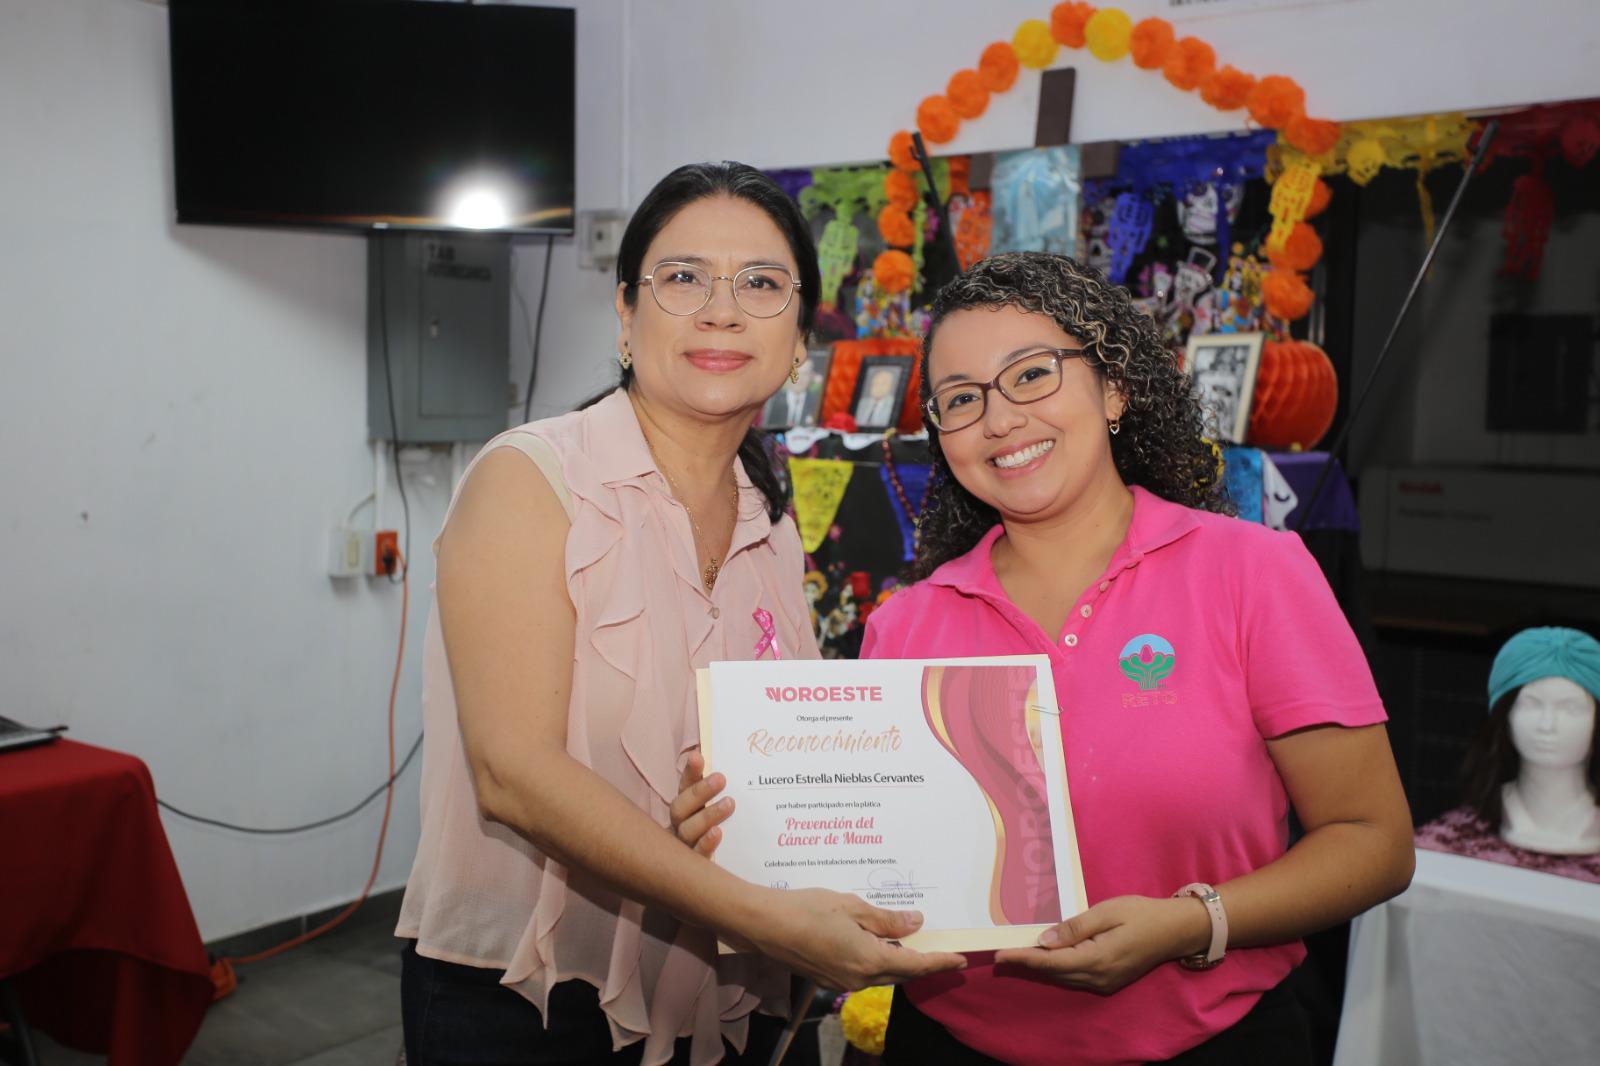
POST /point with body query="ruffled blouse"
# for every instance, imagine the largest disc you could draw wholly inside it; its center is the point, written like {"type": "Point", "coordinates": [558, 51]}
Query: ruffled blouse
{"type": "Point", "coordinates": [481, 895]}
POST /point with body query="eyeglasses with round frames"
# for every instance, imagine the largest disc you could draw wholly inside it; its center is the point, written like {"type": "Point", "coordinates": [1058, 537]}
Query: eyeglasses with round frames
{"type": "Point", "coordinates": [1031, 378]}
{"type": "Point", "coordinates": [761, 291]}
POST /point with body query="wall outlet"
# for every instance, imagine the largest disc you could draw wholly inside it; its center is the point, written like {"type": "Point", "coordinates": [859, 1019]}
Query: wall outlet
{"type": "Point", "coordinates": [349, 552]}
{"type": "Point", "coordinates": [385, 553]}
{"type": "Point", "coordinates": [600, 238]}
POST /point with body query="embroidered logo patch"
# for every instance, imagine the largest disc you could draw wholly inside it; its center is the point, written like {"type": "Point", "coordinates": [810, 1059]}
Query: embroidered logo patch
{"type": "Point", "coordinates": [1147, 659]}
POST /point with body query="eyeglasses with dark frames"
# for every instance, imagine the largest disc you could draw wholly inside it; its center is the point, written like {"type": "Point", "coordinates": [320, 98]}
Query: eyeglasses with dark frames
{"type": "Point", "coordinates": [1031, 377]}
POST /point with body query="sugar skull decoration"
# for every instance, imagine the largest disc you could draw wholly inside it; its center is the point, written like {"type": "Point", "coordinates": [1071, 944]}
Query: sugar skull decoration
{"type": "Point", "coordinates": [1532, 771]}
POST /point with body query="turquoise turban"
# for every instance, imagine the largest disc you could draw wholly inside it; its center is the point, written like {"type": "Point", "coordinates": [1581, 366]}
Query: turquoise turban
{"type": "Point", "coordinates": [1549, 651]}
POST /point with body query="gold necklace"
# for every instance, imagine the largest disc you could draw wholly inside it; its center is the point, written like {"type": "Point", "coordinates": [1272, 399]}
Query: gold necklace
{"type": "Point", "coordinates": [708, 577]}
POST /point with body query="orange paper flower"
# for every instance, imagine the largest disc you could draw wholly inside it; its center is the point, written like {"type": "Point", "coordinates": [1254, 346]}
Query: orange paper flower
{"type": "Point", "coordinates": [997, 68]}
{"type": "Point", "coordinates": [1313, 136]}
{"type": "Point", "coordinates": [1286, 294]}
{"type": "Point", "coordinates": [1151, 41]}
{"type": "Point", "coordinates": [1321, 196]}
{"type": "Point", "coordinates": [1067, 22]}
{"type": "Point", "coordinates": [893, 271]}
{"type": "Point", "coordinates": [896, 227]}
{"type": "Point", "coordinates": [1276, 101]}
{"type": "Point", "coordinates": [960, 173]}
{"type": "Point", "coordinates": [901, 189]}
{"type": "Point", "coordinates": [967, 94]}
{"type": "Point", "coordinates": [1189, 62]}
{"type": "Point", "coordinates": [900, 152]}
{"type": "Point", "coordinates": [1300, 251]}
{"type": "Point", "coordinates": [1227, 89]}
{"type": "Point", "coordinates": [937, 120]}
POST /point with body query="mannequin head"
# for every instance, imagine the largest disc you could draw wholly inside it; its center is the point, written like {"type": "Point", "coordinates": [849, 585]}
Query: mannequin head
{"type": "Point", "coordinates": [1542, 717]}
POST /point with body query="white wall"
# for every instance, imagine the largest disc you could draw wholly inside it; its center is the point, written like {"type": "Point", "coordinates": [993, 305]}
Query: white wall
{"type": "Point", "coordinates": [829, 82]}
{"type": "Point", "coordinates": [183, 417]}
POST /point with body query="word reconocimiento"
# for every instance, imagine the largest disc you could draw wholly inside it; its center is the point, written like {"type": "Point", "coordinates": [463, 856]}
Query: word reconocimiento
{"type": "Point", "coordinates": [766, 742]}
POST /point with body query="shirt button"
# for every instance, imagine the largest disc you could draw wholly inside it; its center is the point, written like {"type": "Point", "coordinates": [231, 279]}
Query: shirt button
{"type": "Point", "coordinates": [1086, 610]}
{"type": "Point", "coordinates": [1104, 585]}
{"type": "Point", "coordinates": [716, 612]}
{"type": "Point", "coordinates": [1070, 640]}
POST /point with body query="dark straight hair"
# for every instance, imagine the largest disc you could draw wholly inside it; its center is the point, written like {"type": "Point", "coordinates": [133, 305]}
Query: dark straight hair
{"type": "Point", "coordinates": [1492, 761]}
{"type": "Point", "coordinates": [690, 184]}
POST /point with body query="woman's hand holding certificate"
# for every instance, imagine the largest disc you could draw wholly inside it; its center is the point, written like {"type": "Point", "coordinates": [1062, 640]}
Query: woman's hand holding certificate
{"type": "Point", "coordinates": [938, 785]}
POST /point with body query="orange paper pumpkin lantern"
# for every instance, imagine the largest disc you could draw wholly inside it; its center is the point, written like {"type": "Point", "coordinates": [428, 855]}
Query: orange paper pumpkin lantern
{"type": "Point", "coordinates": [966, 94]}
{"type": "Point", "coordinates": [937, 120]}
{"type": "Point", "coordinates": [1296, 395]}
{"type": "Point", "coordinates": [1189, 62]}
{"type": "Point", "coordinates": [998, 66]}
{"type": "Point", "coordinates": [1286, 294]}
{"type": "Point", "coordinates": [1152, 39]}
{"type": "Point", "coordinates": [1227, 89]}
{"type": "Point", "coordinates": [1067, 22]}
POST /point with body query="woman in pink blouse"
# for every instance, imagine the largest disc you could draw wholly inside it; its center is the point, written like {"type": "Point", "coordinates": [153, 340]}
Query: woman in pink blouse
{"type": "Point", "coordinates": [588, 565]}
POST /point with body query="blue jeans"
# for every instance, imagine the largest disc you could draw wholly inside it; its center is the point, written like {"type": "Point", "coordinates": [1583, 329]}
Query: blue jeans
{"type": "Point", "coordinates": [463, 1016]}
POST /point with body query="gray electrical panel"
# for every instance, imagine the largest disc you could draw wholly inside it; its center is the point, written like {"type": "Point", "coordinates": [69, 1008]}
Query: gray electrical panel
{"type": "Point", "coordinates": [439, 308]}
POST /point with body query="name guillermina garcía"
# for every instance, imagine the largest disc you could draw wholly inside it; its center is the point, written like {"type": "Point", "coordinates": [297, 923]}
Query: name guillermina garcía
{"type": "Point", "coordinates": [766, 742]}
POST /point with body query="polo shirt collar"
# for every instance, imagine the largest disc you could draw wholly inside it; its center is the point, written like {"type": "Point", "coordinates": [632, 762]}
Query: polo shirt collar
{"type": "Point", "coordinates": [1156, 523]}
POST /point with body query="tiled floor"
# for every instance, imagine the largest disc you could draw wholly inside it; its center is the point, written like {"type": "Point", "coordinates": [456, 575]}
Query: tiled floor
{"type": "Point", "coordinates": [332, 1002]}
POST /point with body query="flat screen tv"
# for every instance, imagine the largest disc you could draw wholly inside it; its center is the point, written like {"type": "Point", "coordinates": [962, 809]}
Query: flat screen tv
{"type": "Point", "coordinates": [361, 114]}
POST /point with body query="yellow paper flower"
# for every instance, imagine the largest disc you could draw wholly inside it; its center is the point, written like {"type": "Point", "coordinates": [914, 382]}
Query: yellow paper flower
{"type": "Point", "coordinates": [1364, 159]}
{"type": "Point", "coordinates": [1108, 33]}
{"type": "Point", "coordinates": [1034, 45]}
{"type": "Point", "coordinates": [865, 1018]}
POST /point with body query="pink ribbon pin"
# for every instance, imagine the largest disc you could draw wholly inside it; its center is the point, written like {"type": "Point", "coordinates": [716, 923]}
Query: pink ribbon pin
{"type": "Point", "coordinates": [769, 634]}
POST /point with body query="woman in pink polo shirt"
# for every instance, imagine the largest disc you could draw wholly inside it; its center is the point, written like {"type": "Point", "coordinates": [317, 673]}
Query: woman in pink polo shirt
{"type": "Point", "coordinates": [1206, 677]}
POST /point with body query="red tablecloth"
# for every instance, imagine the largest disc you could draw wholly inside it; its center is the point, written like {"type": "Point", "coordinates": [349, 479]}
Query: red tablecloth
{"type": "Point", "coordinates": [95, 929]}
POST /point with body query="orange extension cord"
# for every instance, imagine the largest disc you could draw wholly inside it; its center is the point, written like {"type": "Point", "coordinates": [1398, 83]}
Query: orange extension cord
{"type": "Point", "coordinates": [223, 978]}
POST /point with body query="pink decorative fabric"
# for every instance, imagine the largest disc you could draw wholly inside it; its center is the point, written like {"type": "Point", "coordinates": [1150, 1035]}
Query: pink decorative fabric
{"type": "Point", "coordinates": [1462, 832]}
{"type": "Point", "coordinates": [480, 894]}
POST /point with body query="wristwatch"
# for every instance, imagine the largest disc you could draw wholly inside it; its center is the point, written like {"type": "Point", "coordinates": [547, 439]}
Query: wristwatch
{"type": "Point", "coordinates": [1219, 927]}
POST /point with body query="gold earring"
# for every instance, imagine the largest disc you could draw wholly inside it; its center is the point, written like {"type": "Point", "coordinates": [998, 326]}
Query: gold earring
{"type": "Point", "coordinates": [794, 373]}
{"type": "Point", "coordinates": [1115, 425]}
{"type": "Point", "coordinates": [626, 358]}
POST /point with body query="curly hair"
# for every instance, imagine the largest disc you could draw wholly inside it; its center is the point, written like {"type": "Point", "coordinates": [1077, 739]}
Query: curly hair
{"type": "Point", "coordinates": [1160, 446]}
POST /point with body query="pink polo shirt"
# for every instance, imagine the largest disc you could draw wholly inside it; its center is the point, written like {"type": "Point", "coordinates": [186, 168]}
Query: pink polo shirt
{"type": "Point", "coordinates": [1204, 636]}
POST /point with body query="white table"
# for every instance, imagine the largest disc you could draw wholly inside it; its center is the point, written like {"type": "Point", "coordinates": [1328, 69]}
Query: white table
{"type": "Point", "coordinates": [1476, 963]}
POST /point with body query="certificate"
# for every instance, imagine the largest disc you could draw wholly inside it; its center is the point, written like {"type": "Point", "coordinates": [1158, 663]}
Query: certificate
{"type": "Point", "coordinates": [934, 784]}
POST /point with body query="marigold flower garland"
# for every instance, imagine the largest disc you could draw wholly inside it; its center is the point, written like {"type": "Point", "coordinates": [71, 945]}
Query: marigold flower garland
{"type": "Point", "coordinates": [1188, 63]}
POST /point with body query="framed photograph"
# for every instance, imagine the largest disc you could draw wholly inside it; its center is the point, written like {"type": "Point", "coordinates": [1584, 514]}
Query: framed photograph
{"type": "Point", "coordinates": [1223, 368]}
{"type": "Point", "coordinates": [880, 391]}
{"type": "Point", "coordinates": [799, 403]}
